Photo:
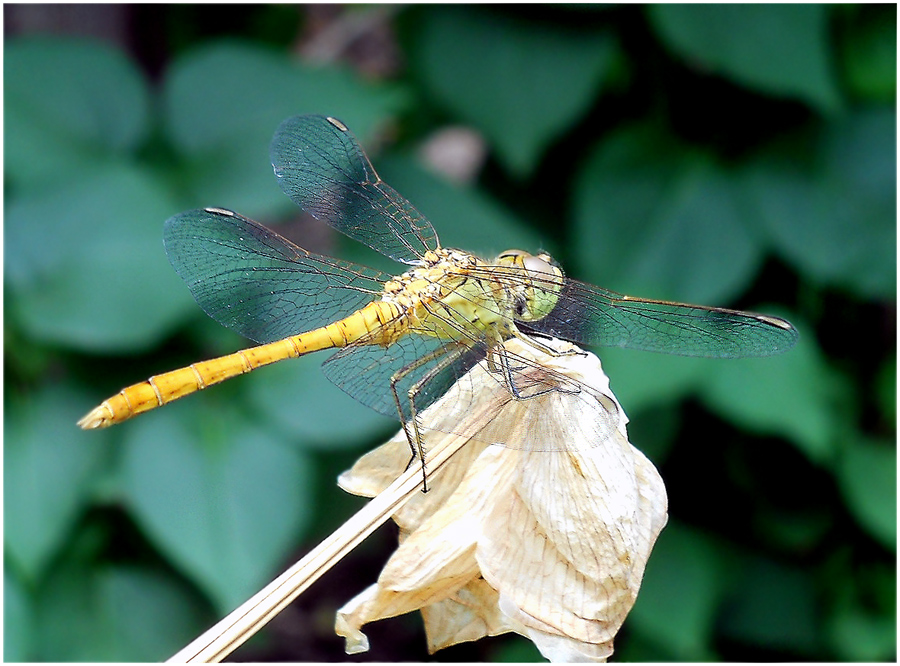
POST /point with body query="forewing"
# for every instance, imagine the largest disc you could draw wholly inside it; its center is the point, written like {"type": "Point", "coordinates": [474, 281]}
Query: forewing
{"type": "Point", "coordinates": [320, 165]}
{"type": "Point", "coordinates": [591, 315]}
{"type": "Point", "coordinates": [259, 284]}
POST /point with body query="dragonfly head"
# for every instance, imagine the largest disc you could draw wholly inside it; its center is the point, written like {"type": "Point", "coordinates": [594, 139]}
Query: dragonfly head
{"type": "Point", "coordinates": [541, 286]}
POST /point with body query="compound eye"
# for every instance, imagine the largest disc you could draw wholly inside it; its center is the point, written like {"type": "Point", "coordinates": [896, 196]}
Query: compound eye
{"type": "Point", "coordinates": [544, 288]}
{"type": "Point", "coordinates": [550, 260]}
{"type": "Point", "coordinates": [521, 308]}
{"type": "Point", "coordinates": [538, 267]}
{"type": "Point", "coordinates": [512, 253]}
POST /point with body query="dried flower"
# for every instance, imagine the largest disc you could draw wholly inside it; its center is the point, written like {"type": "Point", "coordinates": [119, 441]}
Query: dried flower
{"type": "Point", "coordinates": [550, 544]}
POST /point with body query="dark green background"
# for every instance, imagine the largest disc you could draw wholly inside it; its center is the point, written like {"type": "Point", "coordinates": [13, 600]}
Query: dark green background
{"type": "Point", "coordinates": [732, 155]}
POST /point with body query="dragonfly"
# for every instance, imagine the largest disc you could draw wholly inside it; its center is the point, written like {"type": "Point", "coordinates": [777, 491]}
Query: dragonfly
{"type": "Point", "coordinates": [402, 340]}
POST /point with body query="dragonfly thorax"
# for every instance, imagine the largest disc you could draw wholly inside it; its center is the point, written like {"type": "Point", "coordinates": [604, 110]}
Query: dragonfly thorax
{"type": "Point", "coordinates": [455, 295]}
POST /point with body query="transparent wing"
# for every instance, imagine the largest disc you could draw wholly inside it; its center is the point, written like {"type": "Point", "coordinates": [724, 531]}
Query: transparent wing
{"type": "Point", "coordinates": [550, 411]}
{"type": "Point", "coordinates": [518, 387]}
{"type": "Point", "coordinates": [259, 284]}
{"type": "Point", "coordinates": [427, 363]}
{"type": "Point", "coordinates": [595, 316]}
{"type": "Point", "coordinates": [320, 165]}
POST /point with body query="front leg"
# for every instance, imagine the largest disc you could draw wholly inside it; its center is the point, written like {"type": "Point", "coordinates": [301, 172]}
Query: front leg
{"type": "Point", "coordinates": [445, 355]}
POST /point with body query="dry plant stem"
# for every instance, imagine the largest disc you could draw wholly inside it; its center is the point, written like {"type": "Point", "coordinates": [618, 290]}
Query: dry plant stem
{"type": "Point", "coordinates": [238, 626]}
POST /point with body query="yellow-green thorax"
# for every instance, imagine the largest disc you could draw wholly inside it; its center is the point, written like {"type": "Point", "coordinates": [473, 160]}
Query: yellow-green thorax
{"type": "Point", "coordinates": [457, 296]}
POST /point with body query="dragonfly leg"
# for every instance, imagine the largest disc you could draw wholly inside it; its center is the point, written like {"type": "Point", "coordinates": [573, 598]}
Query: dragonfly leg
{"type": "Point", "coordinates": [510, 372]}
{"type": "Point", "coordinates": [415, 439]}
{"type": "Point", "coordinates": [537, 344]}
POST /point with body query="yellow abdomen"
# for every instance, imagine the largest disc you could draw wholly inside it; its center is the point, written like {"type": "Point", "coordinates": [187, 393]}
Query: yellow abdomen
{"type": "Point", "coordinates": [161, 389]}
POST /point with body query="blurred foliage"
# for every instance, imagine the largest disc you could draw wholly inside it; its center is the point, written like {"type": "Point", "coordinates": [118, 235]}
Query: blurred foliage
{"type": "Point", "coordinates": [735, 155]}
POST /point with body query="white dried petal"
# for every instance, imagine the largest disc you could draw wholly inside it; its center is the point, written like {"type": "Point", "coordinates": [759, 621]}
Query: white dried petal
{"type": "Point", "coordinates": [550, 544]}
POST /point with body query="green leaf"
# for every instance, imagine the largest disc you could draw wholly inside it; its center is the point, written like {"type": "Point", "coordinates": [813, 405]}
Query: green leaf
{"type": "Point", "coordinates": [775, 606]}
{"type": "Point", "coordinates": [167, 620]}
{"type": "Point", "coordinates": [886, 390]}
{"type": "Point", "coordinates": [223, 103]}
{"type": "Point", "coordinates": [19, 635]}
{"type": "Point", "coordinates": [85, 264]}
{"type": "Point", "coordinates": [870, 52]}
{"type": "Point", "coordinates": [517, 650]}
{"type": "Point", "coordinates": [654, 219]}
{"type": "Point", "coordinates": [68, 102]}
{"type": "Point", "coordinates": [680, 594]}
{"type": "Point", "coordinates": [642, 380]}
{"type": "Point", "coordinates": [835, 216]}
{"type": "Point", "coordinates": [780, 49]}
{"type": "Point", "coordinates": [49, 470]}
{"type": "Point", "coordinates": [113, 613]}
{"type": "Point", "coordinates": [794, 395]}
{"type": "Point", "coordinates": [868, 480]}
{"type": "Point", "coordinates": [655, 429]}
{"type": "Point", "coordinates": [861, 624]}
{"type": "Point", "coordinates": [859, 191]}
{"type": "Point", "coordinates": [858, 635]}
{"type": "Point", "coordinates": [521, 83]}
{"type": "Point", "coordinates": [220, 497]}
